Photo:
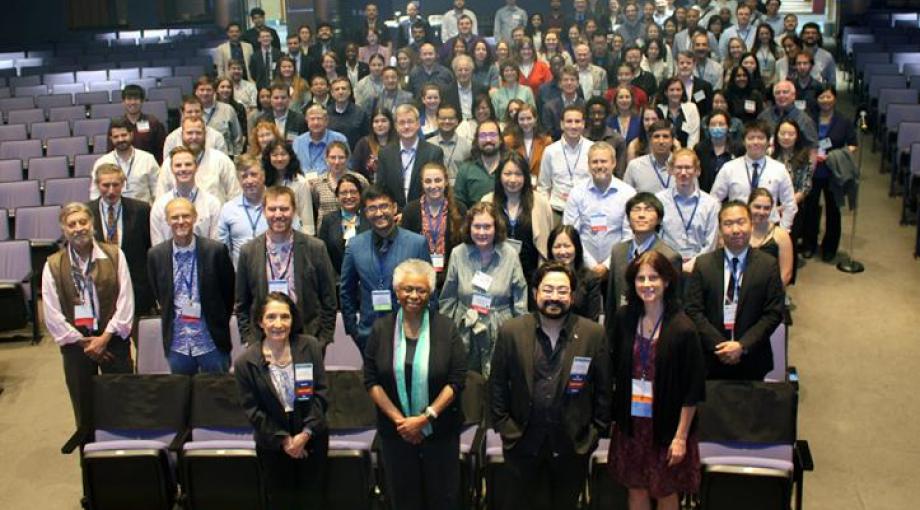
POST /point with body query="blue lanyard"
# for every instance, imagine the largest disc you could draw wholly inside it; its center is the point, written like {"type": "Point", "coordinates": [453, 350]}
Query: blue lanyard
{"type": "Point", "coordinates": [312, 153]}
{"type": "Point", "coordinates": [190, 279]}
{"type": "Point", "coordinates": [253, 224]}
{"type": "Point", "coordinates": [684, 222]}
{"type": "Point", "coordinates": [192, 196]}
{"type": "Point", "coordinates": [211, 115]}
{"type": "Point", "coordinates": [110, 232]}
{"type": "Point", "coordinates": [407, 167]}
{"type": "Point", "coordinates": [130, 169]}
{"type": "Point", "coordinates": [566, 157]}
{"type": "Point", "coordinates": [645, 345]}
{"type": "Point", "coordinates": [84, 286]}
{"type": "Point", "coordinates": [434, 220]}
{"type": "Point", "coordinates": [664, 183]}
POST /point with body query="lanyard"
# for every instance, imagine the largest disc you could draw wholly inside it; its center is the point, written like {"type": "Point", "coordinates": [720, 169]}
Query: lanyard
{"type": "Point", "coordinates": [742, 264]}
{"type": "Point", "coordinates": [512, 222]}
{"type": "Point", "coordinates": [349, 220]}
{"type": "Point", "coordinates": [271, 262]}
{"type": "Point", "coordinates": [645, 345]}
{"type": "Point", "coordinates": [110, 232]}
{"type": "Point", "coordinates": [192, 196]}
{"type": "Point", "coordinates": [665, 184]}
{"type": "Point", "coordinates": [686, 223]}
{"type": "Point", "coordinates": [450, 157]}
{"type": "Point", "coordinates": [207, 122]}
{"type": "Point", "coordinates": [407, 167]}
{"type": "Point", "coordinates": [434, 225]}
{"type": "Point", "coordinates": [130, 168]}
{"type": "Point", "coordinates": [190, 278]}
{"type": "Point", "coordinates": [82, 281]}
{"type": "Point", "coordinates": [314, 156]}
{"type": "Point", "coordinates": [253, 223]}
{"type": "Point", "coordinates": [566, 157]}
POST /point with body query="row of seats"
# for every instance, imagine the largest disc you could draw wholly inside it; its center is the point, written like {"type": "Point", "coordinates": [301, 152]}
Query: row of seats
{"type": "Point", "coordinates": [68, 82]}
{"type": "Point", "coordinates": [12, 170]}
{"type": "Point", "coordinates": [64, 123]}
{"type": "Point", "coordinates": [35, 224]}
{"type": "Point", "coordinates": [71, 147]}
{"type": "Point", "coordinates": [16, 110]}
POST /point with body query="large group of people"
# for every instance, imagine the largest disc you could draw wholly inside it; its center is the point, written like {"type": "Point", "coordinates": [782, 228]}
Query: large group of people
{"type": "Point", "coordinates": [596, 212]}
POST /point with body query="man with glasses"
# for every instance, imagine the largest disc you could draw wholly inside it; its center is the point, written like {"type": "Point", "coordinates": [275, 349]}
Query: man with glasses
{"type": "Point", "coordinates": [476, 177]}
{"type": "Point", "coordinates": [456, 148]}
{"type": "Point", "coordinates": [400, 164]}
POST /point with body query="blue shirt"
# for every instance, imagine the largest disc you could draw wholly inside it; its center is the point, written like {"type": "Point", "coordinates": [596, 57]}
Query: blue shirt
{"type": "Point", "coordinates": [690, 224]}
{"type": "Point", "coordinates": [312, 154]}
{"type": "Point", "coordinates": [239, 222]}
{"type": "Point", "coordinates": [600, 218]}
{"type": "Point", "coordinates": [190, 337]}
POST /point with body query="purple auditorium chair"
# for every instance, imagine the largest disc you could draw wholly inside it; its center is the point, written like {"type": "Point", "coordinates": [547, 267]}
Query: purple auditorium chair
{"type": "Point", "coordinates": [31, 90]}
{"type": "Point", "coordinates": [128, 455]}
{"type": "Point", "coordinates": [16, 103]}
{"type": "Point", "coordinates": [91, 98]}
{"type": "Point", "coordinates": [171, 95]}
{"type": "Point", "coordinates": [109, 85]}
{"type": "Point", "coordinates": [68, 113]}
{"type": "Point", "coordinates": [5, 92]}
{"type": "Point", "coordinates": [46, 103]}
{"type": "Point", "coordinates": [27, 117]}
{"type": "Point", "coordinates": [779, 339]}
{"type": "Point", "coordinates": [352, 430]}
{"type": "Point", "coordinates": [116, 96]}
{"type": "Point", "coordinates": [106, 111]}
{"type": "Point", "coordinates": [236, 345]}
{"type": "Point", "coordinates": [46, 130]}
{"type": "Point", "coordinates": [13, 132]}
{"type": "Point", "coordinates": [342, 353]}
{"type": "Point", "coordinates": [904, 58]}
{"type": "Point", "coordinates": [156, 72]}
{"type": "Point", "coordinates": [23, 149]}
{"type": "Point", "coordinates": [147, 84]}
{"type": "Point", "coordinates": [220, 468]}
{"type": "Point", "coordinates": [19, 194]}
{"type": "Point", "coordinates": [185, 84]}
{"type": "Point", "coordinates": [10, 171]}
{"type": "Point", "coordinates": [908, 134]}
{"type": "Point", "coordinates": [4, 233]}
{"type": "Point", "coordinates": [910, 69]}
{"type": "Point", "coordinates": [100, 144]}
{"type": "Point", "coordinates": [87, 77]}
{"type": "Point", "coordinates": [67, 190]}
{"type": "Point", "coordinates": [157, 108]}
{"type": "Point", "coordinates": [895, 115]}
{"type": "Point", "coordinates": [134, 64]}
{"type": "Point", "coordinates": [91, 127]}
{"type": "Point", "coordinates": [193, 70]}
{"type": "Point", "coordinates": [16, 271]}
{"type": "Point", "coordinates": [910, 199]}
{"type": "Point", "coordinates": [472, 438]}
{"type": "Point", "coordinates": [496, 475]}
{"type": "Point", "coordinates": [38, 224]}
{"type": "Point", "coordinates": [125, 75]}
{"type": "Point", "coordinates": [58, 78]}
{"type": "Point", "coordinates": [151, 358]}
{"type": "Point", "coordinates": [25, 81]}
{"type": "Point", "coordinates": [52, 167]}
{"type": "Point", "coordinates": [69, 146]}
{"type": "Point", "coordinates": [888, 96]}
{"type": "Point", "coordinates": [83, 165]}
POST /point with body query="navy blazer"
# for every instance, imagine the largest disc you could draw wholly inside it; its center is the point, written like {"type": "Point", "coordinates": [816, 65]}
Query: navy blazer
{"type": "Point", "coordinates": [361, 275]}
{"type": "Point", "coordinates": [215, 287]}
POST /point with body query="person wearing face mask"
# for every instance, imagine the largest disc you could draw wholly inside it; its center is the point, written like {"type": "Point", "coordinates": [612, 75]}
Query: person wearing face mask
{"type": "Point", "coordinates": [735, 297]}
{"type": "Point", "coordinates": [88, 307]}
{"type": "Point", "coordinates": [658, 359]}
{"type": "Point", "coordinates": [716, 149]}
{"type": "Point", "coordinates": [484, 286]}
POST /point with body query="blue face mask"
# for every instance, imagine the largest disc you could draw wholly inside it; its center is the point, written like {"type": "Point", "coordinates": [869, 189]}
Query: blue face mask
{"type": "Point", "coordinates": [718, 132]}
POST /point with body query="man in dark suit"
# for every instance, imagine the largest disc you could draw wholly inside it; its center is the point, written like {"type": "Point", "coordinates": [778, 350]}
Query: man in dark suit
{"type": "Point", "coordinates": [290, 123]}
{"type": "Point", "coordinates": [696, 90]}
{"type": "Point", "coordinates": [550, 391]}
{"type": "Point", "coordinates": [264, 60]}
{"type": "Point", "coordinates": [288, 261]}
{"type": "Point", "coordinates": [399, 166]}
{"type": "Point", "coordinates": [551, 116]}
{"type": "Point", "coordinates": [325, 43]}
{"type": "Point", "coordinates": [124, 222]}
{"type": "Point", "coordinates": [257, 15]}
{"type": "Point", "coordinates": [735, 319]}
{"type": "Point", "coordinates": [462, 95]}
{"type": "Point", "coordinates": [192, 278]}
{"type": "Point", "coordinates": [422, 30]}
{"type": "Point", "coordinates": [303, 63]}
{"type": "Point", "coordinates": [645, 213]}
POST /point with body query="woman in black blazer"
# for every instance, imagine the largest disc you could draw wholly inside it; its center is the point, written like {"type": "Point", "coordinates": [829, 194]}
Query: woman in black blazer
{"type": "Point", "coordinates": [337, 229]}
{"type": "Point", "coordinates": [437, 216]}
{"type": "Point", "coordinates": [282, 386]}
{"type": "Point", "coordinates": [658, 362]}
{"type": "Point", "coordinates": [417, 393]}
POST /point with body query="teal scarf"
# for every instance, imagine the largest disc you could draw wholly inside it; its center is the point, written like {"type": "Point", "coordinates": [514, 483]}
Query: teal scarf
{"type": "Point", "coordinates": [419, 369]}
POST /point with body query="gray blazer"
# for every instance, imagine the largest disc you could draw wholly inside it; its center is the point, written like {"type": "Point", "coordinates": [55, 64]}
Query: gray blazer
{"type": "Point", "coordinates": [314, 283]}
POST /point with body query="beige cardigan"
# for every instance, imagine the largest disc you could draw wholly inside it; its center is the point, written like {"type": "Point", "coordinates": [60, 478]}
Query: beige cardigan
{"type": "Point", "coordinates": [541, 219]}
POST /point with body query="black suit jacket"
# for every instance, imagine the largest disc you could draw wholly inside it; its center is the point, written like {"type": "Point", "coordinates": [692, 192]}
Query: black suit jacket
{"type": "Point", "coordinates": [314, 282]}
{"type": "Point", "coordinates": [705, 105]}
{"type": "Point", "coordinates": [306, 64]}
{"type": "Point", "coordinates": [259, 69]}
{"type": "Point", "coordinates": [452, 97]}
{"type": "Point", "coordinates": [390, 170]}
{"type": "Point", "coordinates": [446, 366]}
{"type": "Point", "coordinates": [215, 286]}
{"type": "Point", "coordinates": [760, 310]}
{"type": "Point", "coordinates": [135, 241]}
{"type": "Point", "coordinates": [552, 115]}
{"type": "Point", "coordinates": [265, 412]}
{"type": "Point", "coordinates": [586, 416]}
{"type": "Point", "coordinates": [330, 233]}
{"type": "Point", "coordinates": [294, 126]}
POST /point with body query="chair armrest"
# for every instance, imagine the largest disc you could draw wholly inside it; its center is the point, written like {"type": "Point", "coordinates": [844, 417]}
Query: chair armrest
{"type": "Point", "coordinates": [802, 456]}
{"type": "Point", "coordinates": [180, 439]}
{"type": "Point", "coordinates": [42, 243]}
{"type": "Point", "coordinates": [79, 438]}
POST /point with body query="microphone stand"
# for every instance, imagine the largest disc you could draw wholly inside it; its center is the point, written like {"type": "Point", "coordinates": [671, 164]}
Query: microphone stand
{"type": "Point", "coordinates": [850, 264]}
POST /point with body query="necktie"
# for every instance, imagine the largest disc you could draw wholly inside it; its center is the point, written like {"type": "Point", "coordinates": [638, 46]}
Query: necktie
{"type": "Point", "coordinates": [111, 223]}
{"type": "Point", "coordinates": [268, 65]}
{"type": "Point", "coordinates": [730, 292]}
{"type": "Point", "coordinates": [755, 176]}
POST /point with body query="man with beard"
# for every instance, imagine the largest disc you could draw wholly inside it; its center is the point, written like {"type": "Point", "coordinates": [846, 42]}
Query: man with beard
{"type": "Point", "coordinates": [88, 306]}
{"type": "Point", "coordinates": [707, 69]}
{"type": "Point", "coordinates": [183, 167]}
{"type": "Point", "coordinates": [216, 173]}
{"type": "Point", "coordinates": [476, 177]}
{"type": "Point", "coordinates": [450, 21]}
{"type": "Point", "coordinates": [735, 296]}
{"type": "Point", "coordinates": [140, 167]}
{"type": "Point", "coordinates": [550, 414]}
{"type": "Point", "coordinates": [641, 78]}
{"type": "Point", "coordinates": [287, 261]}
{"type": "Point", "coordinates": [400, 164]}
{"type": "Point", "coordinates": [824, 61]}
{"type": "Point", "coordinates": [219, 116]}
{"type": "Point", "coordinates": [192, 109]}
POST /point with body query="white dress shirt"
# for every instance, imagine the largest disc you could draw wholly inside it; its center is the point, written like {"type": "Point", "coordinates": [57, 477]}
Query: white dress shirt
{"type": "Point", "coordinates": [561, 168]}
{"type": "Point", "coordinates": [216, 174]}
{"type": "Point", "coordinates": [733, 182]}
{"type": "Point", "coordinates": [141, 171]}
{"type": "Point", "coordinates": [206, 205]}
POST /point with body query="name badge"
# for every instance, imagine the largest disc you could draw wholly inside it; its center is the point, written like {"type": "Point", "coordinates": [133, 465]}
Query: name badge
{"type": "Point", "coordinates": [190, 312]}
{"type": "Point", "coordinates": [800, 104]}
{"type": "Point", "coordinates": [623, 300]}
{"type": "Point", "coordinates": [598, 223]}
{"type": "Point", "coordinates": [303, 381]}
{"type": "Point", "coordinates": [143, 126]}
{"type": "Point", "coordinates": [825, 144]}
{"type": "Point", "coordinates": [729, 310]}
{"type": "Point", "coordinates": [437, 261]}
{"type": "Point", "coordinates": [482, 280]}
{"type": "Point", "coordinates": [83, 316]}
{"type": "Point", "coordinates": [514, 243]}
{"type": "Point", "coordinates": [291, 137]}
{"type": "Point", "coordinates": [578, 375]}
{"type": "Point", "coordinates": [348, 234]}
{"type": "Point", "coordinates": [641, 406]}
{"type": "Point", "coordinates": [750, 106]}
{"type": "Point", "coordinates": [482, 302]}
{"type": "Point", "coordinates": [597, 92]}
{"type": "Point", "coordinates": [278, 286]}
{"type": "Point", "coordinates": [381, 300]}
{"type": "Point", "coordinates": [699, 95]}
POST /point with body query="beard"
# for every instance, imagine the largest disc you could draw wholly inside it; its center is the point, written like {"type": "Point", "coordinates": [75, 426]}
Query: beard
{"type": "Point", "coordinates": [489, 149]}
{"type": "Point", "coordinates": [553, 309]}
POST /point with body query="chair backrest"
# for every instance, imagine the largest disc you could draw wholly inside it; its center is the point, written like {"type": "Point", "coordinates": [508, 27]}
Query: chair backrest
{"type": "Point", "coordinates": [904, 58]}
{"type": "Point", "coordinates": [46, 130]}
{"type": "Point", "coordinates": [91, 127]}
{"type": "Point", "coordinates": [28, 117]}
{"type": "Point", "coordinates": [888, 81]}
{"type": "Point", "coordinates": [915, 160]}
{"type": "Point", "coordinates": [52, 167]}
{"type": "Point", "coordinates": [342, 351]}
{"type": "Point", "coordinates": [69, 146]}
{"type": "Point", "coordinates": [147, 84]}
{"type": "Point", "coordinates": [4, 228]}
{"type": "Point", "coordinates": [150, 356]}
{"type": "Point", "coordinates": [125, 74]}
{"type": "Point", "coordinates": [157, 108]}
{"type": "Point", "coordinates": [185, 83]}
{"type": "Point", "coordinates": [68, 88]}
{"type": "Point", "coordinates": [5, 92]}
{"type": "Point", "coordinates": [10, 171]}
{"type": "Point", "coordinates": [171, 95]}
{"type": "Point", "coordinates": [38, 223]}
{"type": "Point", "coordinates": [110, 85]}
{"type": "Point", "coordinates": [165, 396]}
{"type": "Point", "coordinates": [13, 132]}
{"type": "Point", "coordinates": [31, 90]}
{"type": "Point", "coordinates": [68, 113]}
{"type": "Point", "coordinates": [15, 259]}
{"type": "Point", "coordinates": [67, 190]}
{"type": "Point", "coordinates": [87, 77]}
{"type": "Point", "coordinates": [908, 133]}
{"type": "Point", "coordinates": [23, 149]}
{"type": "Point", "coordinates": [778, 342]}
{"type": "Point", "coordinates": [90, 98]}
{"type": "Point", "coordinates": [156, 72]}
{"type": "Point", "coordinates": [194, 70]}
{"type": "Point", "coordinates": [106, 111]}
{"type": "Point", "coordinates": [887, 96]}
{"type": "Point", "coordinates": [216, 403]}
{"type": "Point", "coordinates": [53, 101]}
{"type": "Point", "coordinates": [16, 103]}
{"type": "Point", "coordinates": [350, 407]}
{"type": "Point", "coordinates": [83, 164]}
{"type": "Point", "coordinates": [898, 112]}
{"type": "Point", "coordinates": [57, 78]}
{"type": "Point", "coordinates": [25, 81]}
{"type": "Point", "coordinates": [100, 144]}
{"type": "Point", "coordinates": [881, 69]}
{"type": "Point", "coordinates": [851, 39]}
{"type": "Point", "coordinates": [867, 57]}
{"type": "Point", "coordinates": [910, 70]}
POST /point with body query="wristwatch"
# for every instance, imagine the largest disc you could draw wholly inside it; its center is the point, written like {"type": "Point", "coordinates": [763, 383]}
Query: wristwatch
{"type": "Point", "coordinates": [430, 414]}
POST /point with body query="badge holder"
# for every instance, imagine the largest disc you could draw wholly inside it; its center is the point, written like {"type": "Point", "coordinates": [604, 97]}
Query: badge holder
{"type": "Point", "coordinates": [578, 376]}
{"type": "Point", "coordinates": [303, 382]}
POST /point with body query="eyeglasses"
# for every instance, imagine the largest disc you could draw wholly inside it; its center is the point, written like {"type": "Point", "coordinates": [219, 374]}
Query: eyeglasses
{"type": "Point", "coordinates": [373, 209]}
{"type": "Point", "coordinates": [488, 136]}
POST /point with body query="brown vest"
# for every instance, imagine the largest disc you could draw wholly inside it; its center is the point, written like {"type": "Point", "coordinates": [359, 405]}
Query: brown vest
{"type": "Point", "coordinates": [105, 279]}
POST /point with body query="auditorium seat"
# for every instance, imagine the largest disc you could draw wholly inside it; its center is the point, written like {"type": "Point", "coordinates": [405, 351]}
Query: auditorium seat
{"type": "Point", "coordinates": [31, 90]}
{"type": "Point", "coordinates": [45, 130]}
{"type": "Point", "coordinates": [91, 98]}
{"type": "Point", "coordinates": [58, 78]}
{"type": "Point", "coordinates": [10, 171]}
{"type": "Point", "coordinates": [352, 428]}
{"type": "Point", "coordinates": [100, 144]}
{"type": "Point", "coordinates": [91, 127]}
{"type": "Point", "coordinates": [13, 132]}
{"type": "Point", "coordinates": [83, 165]}
{"type": "Point", "coordinates": [39, 225]}
{"type": "Point", "coordinates": [151, 359]}
{"type": "Point", "coordinates": [156, 72]}
{"type": "Point", "coordinates": [16, 270]}
{"type": "Point", "coordinates": [106, 111]}
{"type": "Point", "coordinates": [16, 103]}
{"type": "Point", "coordinates": [69, 146]}
{"type": "Point", "coordinates": [48, 102]}
{"type": "Point", "coordinates": [172, 96]}
{"type": "Point", "coordinates": [21, 149]}
{"type": "Point", "coordinates": [125, 75]}
{"type": "Point", "coordinates": [184, 83]}
{"type": "Point", "coordinates": [68, 113]}
{"type": "Point", "coordinates": [27, 117]}
{"type": "Point", "coordinates": [66, 190]}
{"type": "Point", "coordinates": [52, 167]}
{"type": "Point", "coordinates": [87, 77]}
